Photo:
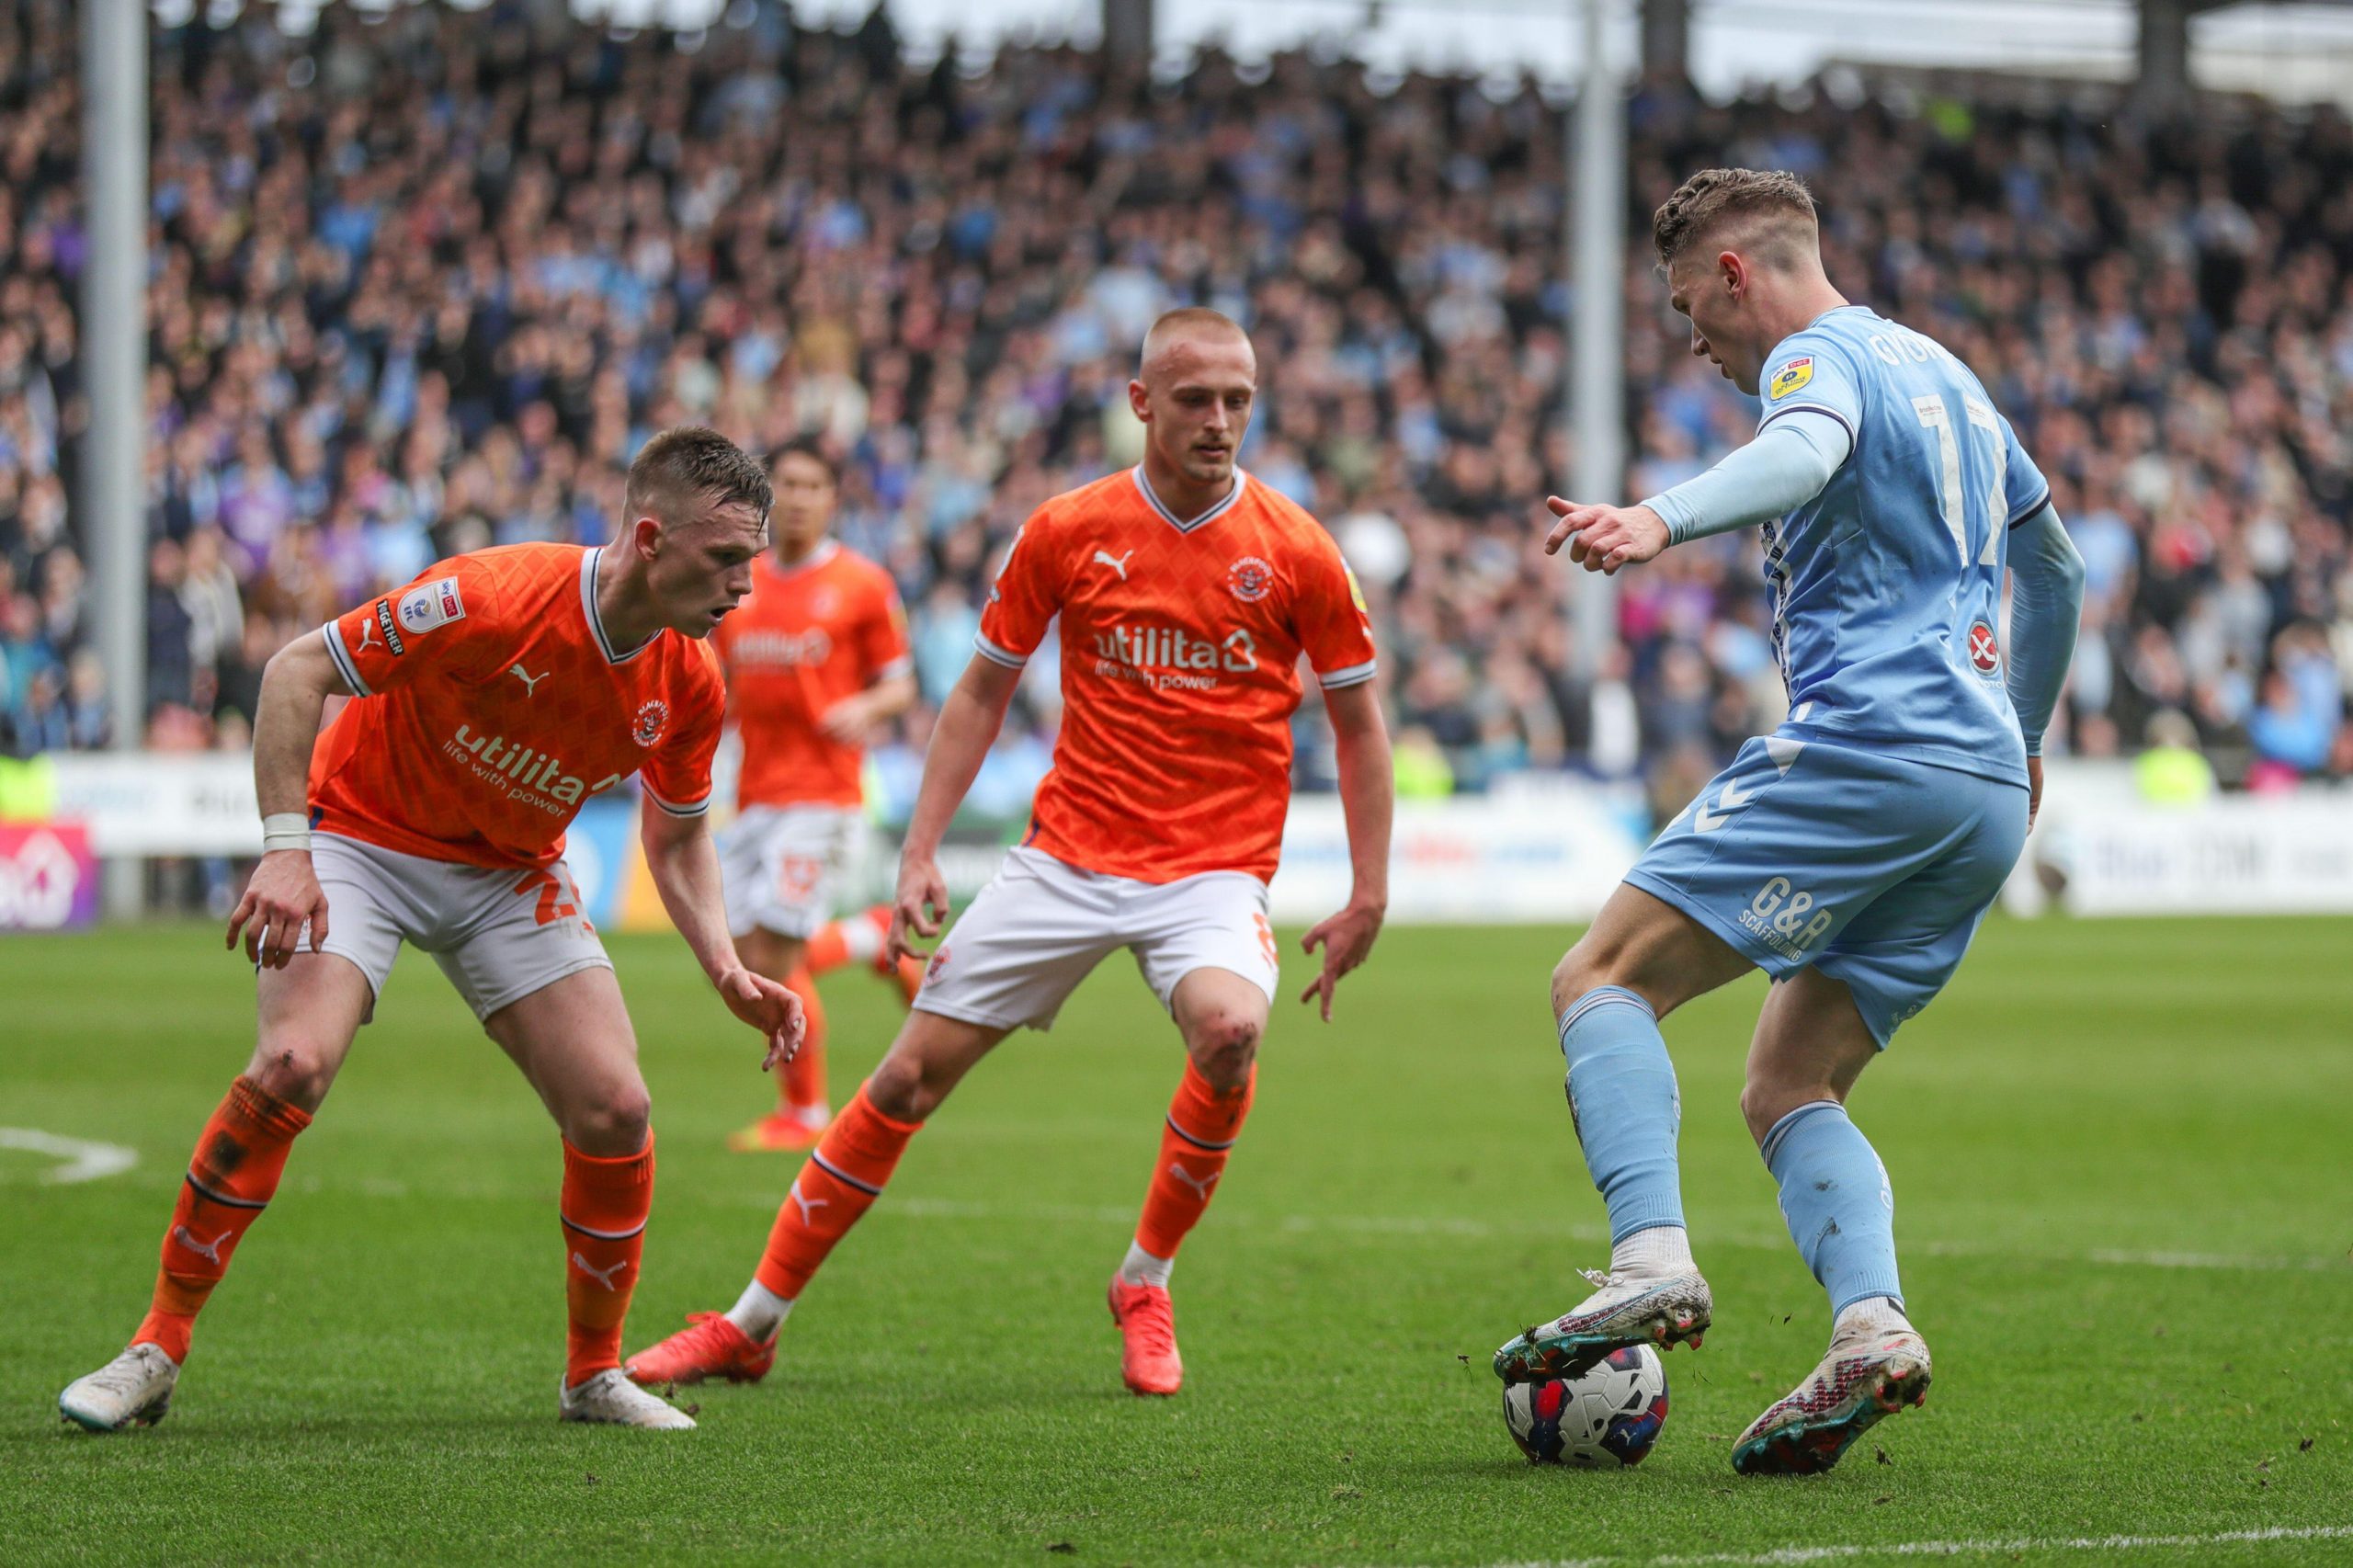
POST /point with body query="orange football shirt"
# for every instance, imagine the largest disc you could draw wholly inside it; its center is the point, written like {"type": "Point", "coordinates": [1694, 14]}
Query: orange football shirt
{"type": "Point", "coordinates": [1181, 647]}
{"type": "Point", "coordinates": [492, 704]}
{"type": "Point", "coordinates": [808, 636]}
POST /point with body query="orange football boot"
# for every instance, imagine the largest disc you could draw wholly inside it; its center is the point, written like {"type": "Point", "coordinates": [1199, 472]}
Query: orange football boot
{"type": "Point", "coordinates": [779, 1131]}
{"type": "Point", "coordinates": [1148, 1358]}
{"type": "Point", "coordinates": [710, 1347]}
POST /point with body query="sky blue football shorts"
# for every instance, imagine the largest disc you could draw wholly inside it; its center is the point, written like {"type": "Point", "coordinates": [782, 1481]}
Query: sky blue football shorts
{"type": "Point", "coordinates": [1874, 869]}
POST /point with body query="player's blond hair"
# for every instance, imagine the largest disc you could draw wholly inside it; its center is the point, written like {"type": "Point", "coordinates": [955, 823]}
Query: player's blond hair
{"type": "Point", "coordinates": [1188, 320]}
{"type": "Point", "coordinates": [690, 466]}
{"type": "Point", "coordinates": [1765, 213]}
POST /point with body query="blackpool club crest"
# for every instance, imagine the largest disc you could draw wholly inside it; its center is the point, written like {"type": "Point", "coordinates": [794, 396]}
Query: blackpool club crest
{"type": "Point", "coordinates": [652, 719]}
{"type": "Point", "coordinates": [1250, 579]}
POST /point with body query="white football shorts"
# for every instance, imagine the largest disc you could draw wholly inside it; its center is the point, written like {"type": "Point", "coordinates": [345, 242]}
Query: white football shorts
{"type": "Point", "coordinates": [498, 935]}
{"type": "Point", "coordinates": [786, 867]}
{"type": "Point", "coordinates": [1041, 925]}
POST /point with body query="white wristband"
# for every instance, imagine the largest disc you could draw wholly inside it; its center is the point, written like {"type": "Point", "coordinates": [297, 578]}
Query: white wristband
{"type": "Point", "coordinates": [285, 830]}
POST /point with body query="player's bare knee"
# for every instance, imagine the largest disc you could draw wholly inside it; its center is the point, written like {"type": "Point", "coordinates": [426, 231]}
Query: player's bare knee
{"type": "Point", "coordinates": [1764, 1101]}
{"type": "Point", "coordinates": [902, 1090]}
{"type": "Point", "coordinates": [295, 1069]}
{"type": "Point", "coordinates": [1582, 968]}
{"type": "Point", "coordinates": [1224, 1046]}
{"type": "Point", "coordinates": [615, 1122]}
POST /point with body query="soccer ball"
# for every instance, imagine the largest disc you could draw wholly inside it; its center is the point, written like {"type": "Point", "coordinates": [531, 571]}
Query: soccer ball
{"type": "Point", "coordinates": [1609, 1417]}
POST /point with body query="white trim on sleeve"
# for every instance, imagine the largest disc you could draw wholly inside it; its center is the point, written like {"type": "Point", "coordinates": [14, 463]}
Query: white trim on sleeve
{"type": "Point", "coordinates": [694, 809]}
{"type": "Point", "coordinates": [902, 666]}
{"type": "Point", "coordinates": [344, 665]}
{"type": "Point", "coordinates": [1355, 674]}
{"type": "Point", "coordinates": [996, 655]}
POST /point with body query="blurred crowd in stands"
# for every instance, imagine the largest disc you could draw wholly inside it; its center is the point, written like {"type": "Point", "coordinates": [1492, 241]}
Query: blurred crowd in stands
{"type": "Point", "coordinates": [424, 284]}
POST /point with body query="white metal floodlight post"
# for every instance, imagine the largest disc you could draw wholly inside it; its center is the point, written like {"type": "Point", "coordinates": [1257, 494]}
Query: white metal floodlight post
{"type": "Point", "coordinates": [1597, 200]}
{"type": "Point", "coordinates": [114, 347]}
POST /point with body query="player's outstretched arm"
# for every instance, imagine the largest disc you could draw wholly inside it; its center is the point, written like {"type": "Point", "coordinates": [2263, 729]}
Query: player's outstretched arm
{"type": "Point", "coordinates": [284, 891]}
{"type": "Point", "coordinates": [968, 725]}
{"type": "Point", "coordinates": [1787, 465]}
{"type": "Point", "coordinates": [1369, 799]}
{"type": "Point", "coordinates": [685, 864]}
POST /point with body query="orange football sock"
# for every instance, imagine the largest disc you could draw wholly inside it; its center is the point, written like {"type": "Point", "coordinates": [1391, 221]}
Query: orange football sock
{"type": "Point", "coordinates": [606, 1200]}
{"type": "Point", "coordinates": [828, 950]}
{"type": "Point", "coordinates": [845, 1175]}
{"type": "Point", "coordinates": [1202, 1126]}
{"type": "Point", "coordinates": [237, 1163]}
{"type": "Point", "coordinates": [802, 1085]}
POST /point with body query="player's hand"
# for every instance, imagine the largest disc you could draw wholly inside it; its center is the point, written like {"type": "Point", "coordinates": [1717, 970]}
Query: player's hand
{"type": "Point", "coordinates": [768, 1007]}
{"type": "Point", "coordinates": [848, 721]}
{"type": "Point", "coordinates": [1603, 539]}
{"type": "Point", "coordinates": [920, 906]}
{"type": "Point", "coordinates": [1347, 939]}
{"type": "Point", "coordinates": [282, 893]}
{"type": "Point", "coordinates": [2033, 789]}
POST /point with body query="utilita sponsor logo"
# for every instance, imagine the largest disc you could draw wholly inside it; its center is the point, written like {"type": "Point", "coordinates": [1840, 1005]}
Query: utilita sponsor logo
{"type": "Point", "coordinates": [520, 770]}
{"type": "Point", "coordinates": [784, 648]}
{"type": "Point", "coordinates": [1169, 657]}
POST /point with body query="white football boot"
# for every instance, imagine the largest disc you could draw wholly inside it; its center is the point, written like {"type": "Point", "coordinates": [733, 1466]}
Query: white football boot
{"type": "Point", "coordinates": [610, 1399]}
{"type": "Point", "coordinates": [1877, 1365]}
{"type": "Point", "coordinates": [132, 1390]}
{"type": "Point", "coordinates": [1661, 1310]}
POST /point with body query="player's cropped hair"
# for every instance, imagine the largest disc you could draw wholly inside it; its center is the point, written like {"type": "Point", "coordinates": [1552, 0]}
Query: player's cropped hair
{"type": "Point", "coordinates": [812, 449]}
{"type": "Point", "coordinates": [1767, 210]}
{"type": "Point", "coordinates": [690, 465]}
{"type": "Point", "coordinates": [1190, 319]}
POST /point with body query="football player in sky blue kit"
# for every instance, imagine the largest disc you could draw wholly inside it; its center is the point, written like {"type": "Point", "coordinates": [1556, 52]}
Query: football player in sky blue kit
{"type": "Point", "coordinates": [1850, 855]}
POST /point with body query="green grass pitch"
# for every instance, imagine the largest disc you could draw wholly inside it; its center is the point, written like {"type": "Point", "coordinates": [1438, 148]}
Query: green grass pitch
{"type": "Point", "coordinates": [2124, 1185]}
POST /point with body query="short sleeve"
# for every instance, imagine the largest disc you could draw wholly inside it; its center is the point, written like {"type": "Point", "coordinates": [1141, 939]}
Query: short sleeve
{"type": "Point", "coordinates": [883, 633]}
{"type": "Point", "coordinates": [2024, 489]}
{"type": "Point", "coordinates": [432, 626]}
{"type": "Point", "coordinates": [1026, 594]}
{"type": "Point", "coordinates": [1810, 372]}
{"type": "Point", "coordinates": [677, 776]}
{"type": "Point", "coordinates": [1334, 626]}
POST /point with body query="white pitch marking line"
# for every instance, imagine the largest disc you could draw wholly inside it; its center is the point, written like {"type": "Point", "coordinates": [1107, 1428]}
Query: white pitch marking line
{"type": "Point", "coordinates": [1798, 1555]}
{"type": "Point", "coordinates": [1409, 1226]}
{"type": "Point", "coordinates": [1445, 1225]}
{"type": "Point", "coordinates": [85, 1161]}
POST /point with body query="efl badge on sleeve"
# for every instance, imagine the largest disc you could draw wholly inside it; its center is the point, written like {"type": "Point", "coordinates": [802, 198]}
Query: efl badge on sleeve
{"type": "Point", "coordinates": [432, 604]}
{"type": "Point", "coordinates": [1790, 377]}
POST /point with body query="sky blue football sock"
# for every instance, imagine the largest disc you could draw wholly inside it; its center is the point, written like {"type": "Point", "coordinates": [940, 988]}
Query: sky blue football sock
{"type": "Point", "coordinates": [1622, 1095]}
{"type": "Point", "coordinates": [1836, 1197]}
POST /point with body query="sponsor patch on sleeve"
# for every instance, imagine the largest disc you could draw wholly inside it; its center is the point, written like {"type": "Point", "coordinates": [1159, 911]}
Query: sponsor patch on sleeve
{"type": "Point", "coordinates": [391, 632]}
{"type": "Point", "coordinates": [433, 604]}
{"type": "Point", "coordinates": [1790, 377]}
{"type": "Point", "coordinates": [1355, 590]}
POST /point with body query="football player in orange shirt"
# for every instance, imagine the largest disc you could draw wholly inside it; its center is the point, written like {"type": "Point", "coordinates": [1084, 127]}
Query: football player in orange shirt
{"type": "Point", "coordinates": [815, 657]}
{"type": "Point", "coordinates": [495, 695]}
{"type": "Point", "coordinates": [1186, 594]}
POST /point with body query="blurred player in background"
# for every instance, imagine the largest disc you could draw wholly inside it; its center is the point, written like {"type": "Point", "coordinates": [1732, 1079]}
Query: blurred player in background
{"type": "Point", "coordinates": [1187, 595]}
{"type": "Point", "coordinates": [815, 657]}
{"type": "Point", "coordinates": [1852, 854]}
{"type": "Point", "coordinates": [495, 695]}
